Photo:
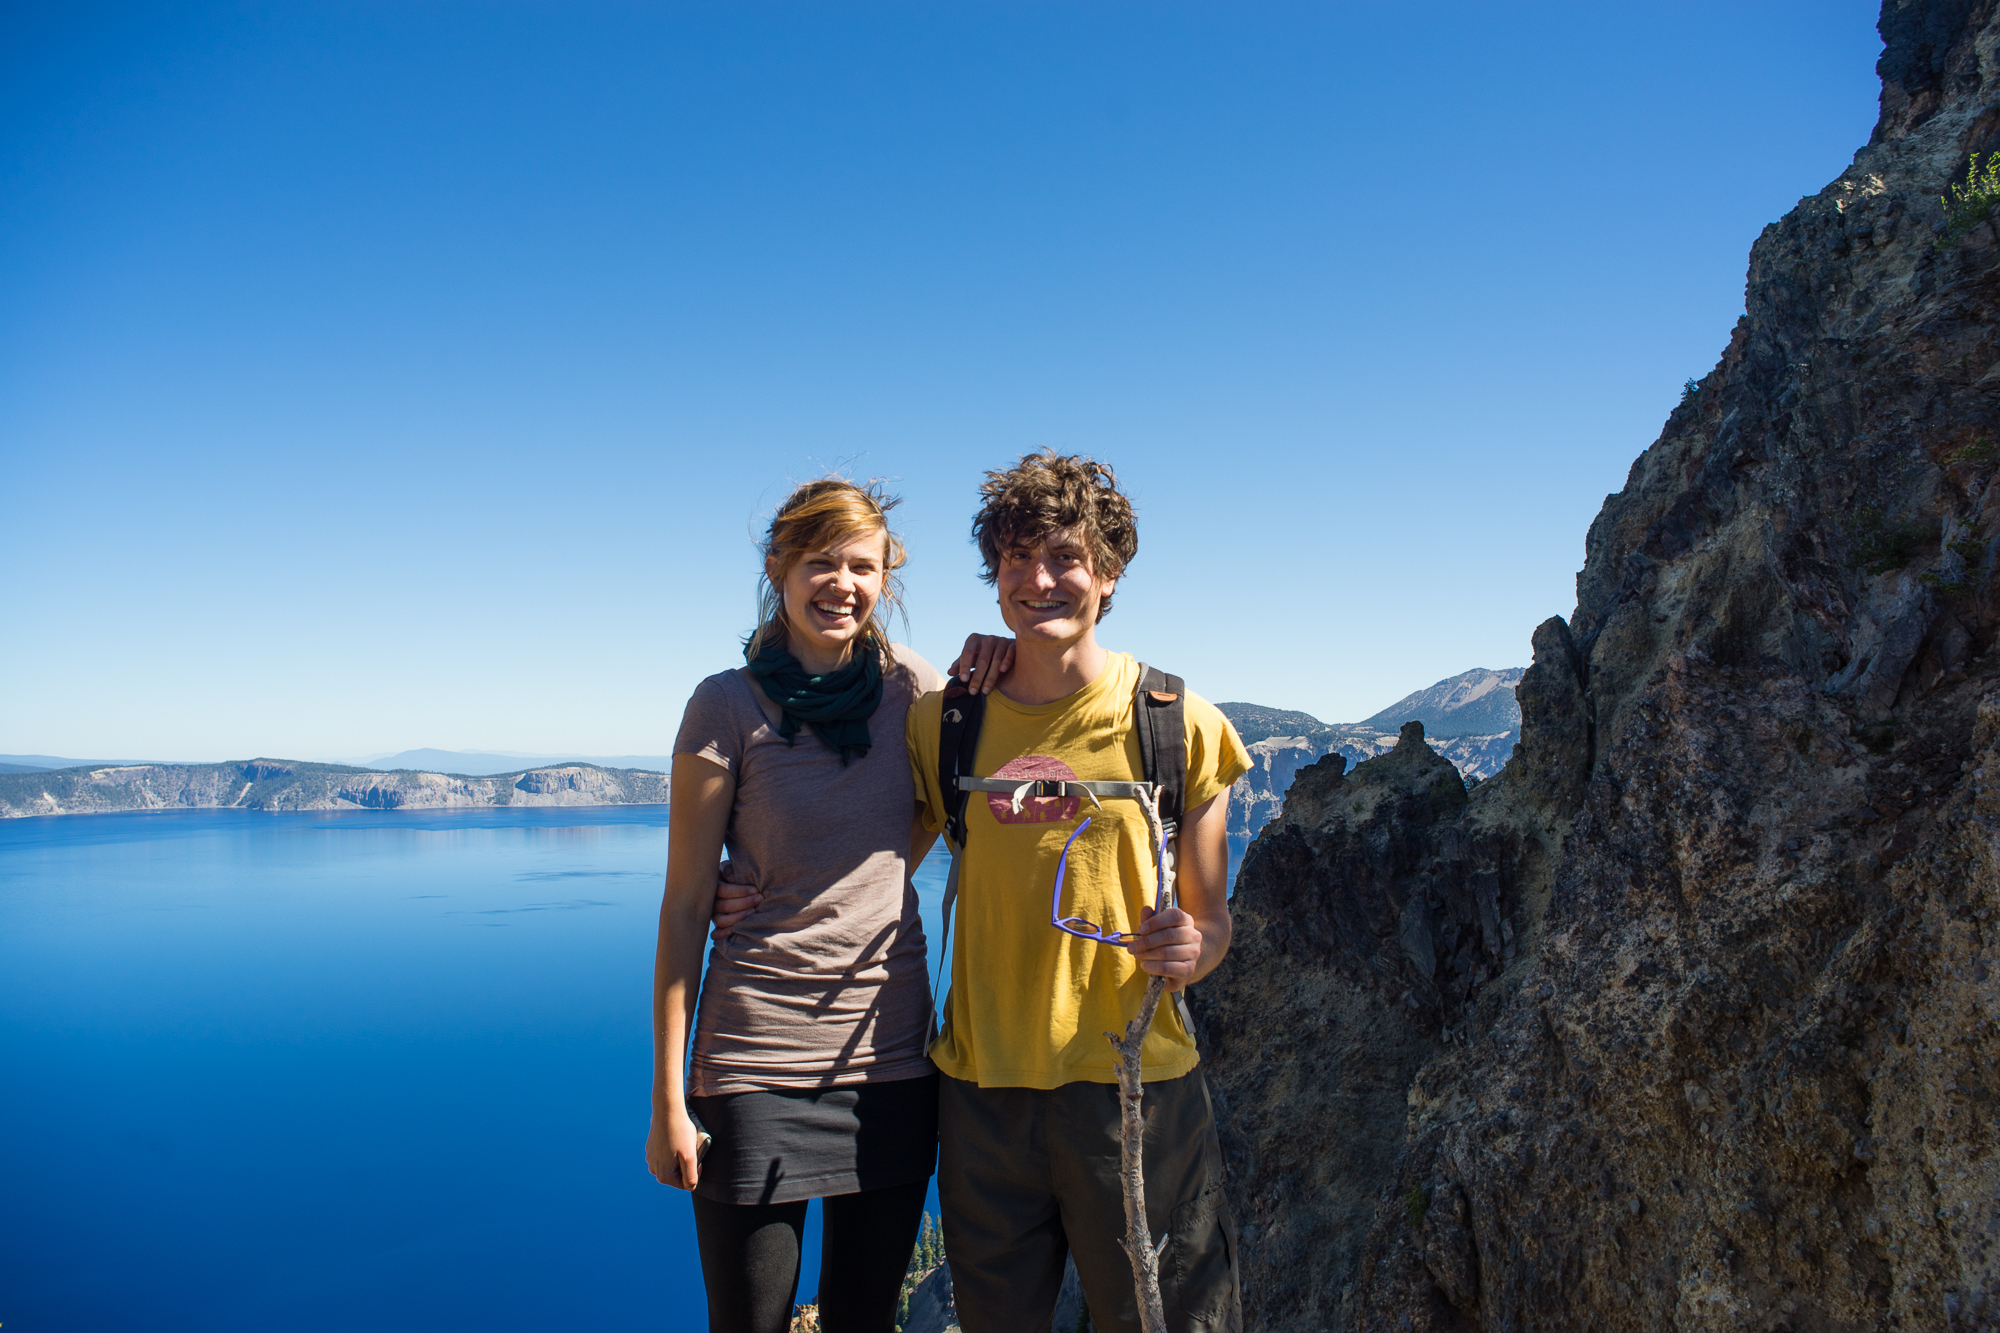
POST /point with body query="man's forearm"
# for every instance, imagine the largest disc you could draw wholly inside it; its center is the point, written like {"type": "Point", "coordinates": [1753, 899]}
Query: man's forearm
{"type": "Point", "coordinates": [1214, 944]}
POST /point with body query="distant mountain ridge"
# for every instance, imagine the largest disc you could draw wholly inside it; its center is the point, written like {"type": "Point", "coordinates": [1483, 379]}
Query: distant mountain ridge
{"type": "Point", "coordinates": [1255, 722]}
{"type": "Point", "coordinates": [465, 763]}
{"type": "Point", "coordinates": [36, 763]}
{"type": "Point", "coordinates": [284, 784]}
{"type": "Point", "coordinates": [1473, 703]}
{"type": "Point", "coordinates": [483, 763]}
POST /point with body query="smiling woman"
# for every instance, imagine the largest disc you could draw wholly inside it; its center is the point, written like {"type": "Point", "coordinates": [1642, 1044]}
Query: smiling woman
{"type": "Point", "coordinates": [829, 595]}
{"type": "Point", "coordinates": [808, 1076]}
{"type": "Point", "coordinates": [829, 558]}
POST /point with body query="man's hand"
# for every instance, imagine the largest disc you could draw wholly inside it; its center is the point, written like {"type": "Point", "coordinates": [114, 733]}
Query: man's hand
{"type": "Point", "coordinates": [1169, 945]}
{"type": "Point", "coordinates": [733, 902]}
{"type": "Point", "coordinates": [984, 659]}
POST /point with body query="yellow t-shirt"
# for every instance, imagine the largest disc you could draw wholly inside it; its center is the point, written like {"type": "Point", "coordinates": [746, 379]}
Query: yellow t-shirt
{"type": "Point", "coordinates": [1030, 1004]}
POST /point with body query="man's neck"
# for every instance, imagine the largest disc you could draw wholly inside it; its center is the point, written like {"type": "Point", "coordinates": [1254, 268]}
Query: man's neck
{"type": "Point", "coordinates": [1046, 672]}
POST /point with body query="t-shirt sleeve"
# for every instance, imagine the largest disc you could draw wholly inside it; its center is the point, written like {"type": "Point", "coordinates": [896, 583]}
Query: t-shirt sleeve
{"type": "Point", "coordinates": [1216, 755]}
{"type": "Point", "coordinates": [920, 736]}
{"type": "Point", "coordinates": [709, 726]}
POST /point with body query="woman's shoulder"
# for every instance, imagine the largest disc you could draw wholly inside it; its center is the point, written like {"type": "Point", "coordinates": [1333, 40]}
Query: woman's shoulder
{"type": "Point", "coordinates": [716, 722]}
{"type": "Point", "coordinates": [918, 675]}
{"type": "Point", "coordinates": [726, 694]}
{"type": "Point", "coordinates": [729, 685]}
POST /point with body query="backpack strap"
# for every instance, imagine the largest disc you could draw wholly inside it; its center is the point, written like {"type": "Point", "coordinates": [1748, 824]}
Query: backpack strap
{"type": "Point", "coordinates": [958, 741]}
{"type": "Point", "coordinates": [1159, 714]}
{"type": "Point", "coordinates": [931, 1029]}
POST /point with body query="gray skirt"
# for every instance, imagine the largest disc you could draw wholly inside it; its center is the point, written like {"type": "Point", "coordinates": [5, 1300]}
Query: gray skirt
{"type": "Point", "coordinates": [780, 1145]}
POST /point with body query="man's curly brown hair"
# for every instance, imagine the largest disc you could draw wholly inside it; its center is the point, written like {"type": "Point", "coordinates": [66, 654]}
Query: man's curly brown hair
{"type": "Point", "coordinates": [1048, 492]}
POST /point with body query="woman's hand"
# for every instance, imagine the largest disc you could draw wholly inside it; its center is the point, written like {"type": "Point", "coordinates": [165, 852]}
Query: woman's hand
{"type": "Point", "coordinates": [984, 659]}
{"type": "Point", "coordinates": [670, 1149]}
{"type": "Point", "coordinates": [733, 902]}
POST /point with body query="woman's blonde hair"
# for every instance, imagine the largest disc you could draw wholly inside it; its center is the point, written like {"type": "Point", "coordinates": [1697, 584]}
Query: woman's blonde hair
{"type": "Point", "coordinates": [819, 516]}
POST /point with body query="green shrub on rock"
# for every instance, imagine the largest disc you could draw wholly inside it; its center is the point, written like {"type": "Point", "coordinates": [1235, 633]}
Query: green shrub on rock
{"type": "Point", "coordinates": [1970, 202]}
{"type": "Point", "coordinates": [1882, 545]}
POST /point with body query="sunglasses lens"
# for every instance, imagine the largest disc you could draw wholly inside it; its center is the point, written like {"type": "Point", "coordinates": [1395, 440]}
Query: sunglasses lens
{"type": "Point", "coordinates": [1090, 930]}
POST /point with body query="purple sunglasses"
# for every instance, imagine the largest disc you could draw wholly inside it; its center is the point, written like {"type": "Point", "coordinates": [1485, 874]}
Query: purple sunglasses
{"type": "Point", "coordinates": [1076, 925]}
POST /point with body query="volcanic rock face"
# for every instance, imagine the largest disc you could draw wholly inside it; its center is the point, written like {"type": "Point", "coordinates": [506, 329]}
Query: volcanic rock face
{"type": "Point", "coordinates": [1686, 1020]}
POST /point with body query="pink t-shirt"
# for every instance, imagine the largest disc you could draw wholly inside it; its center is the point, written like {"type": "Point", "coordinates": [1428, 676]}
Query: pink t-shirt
{"type": "Point", "coordinates": [824, 983]}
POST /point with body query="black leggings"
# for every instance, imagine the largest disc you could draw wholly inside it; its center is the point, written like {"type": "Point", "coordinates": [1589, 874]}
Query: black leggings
{"type": "Point", "coordinates": [750, 1259]}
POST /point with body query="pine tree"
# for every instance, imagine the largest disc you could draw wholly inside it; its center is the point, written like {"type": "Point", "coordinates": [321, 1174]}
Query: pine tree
{"type": "Point", "coordinates": [925, 1258]}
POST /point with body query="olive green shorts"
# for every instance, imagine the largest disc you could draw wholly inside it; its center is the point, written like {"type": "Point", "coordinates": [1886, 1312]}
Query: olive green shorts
{"type": "Point", "coordinates": [1027, 1175]}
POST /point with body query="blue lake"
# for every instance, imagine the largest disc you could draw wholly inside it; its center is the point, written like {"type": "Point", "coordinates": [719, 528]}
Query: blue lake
{"type": "Point", "coordinates": [337, 1071]}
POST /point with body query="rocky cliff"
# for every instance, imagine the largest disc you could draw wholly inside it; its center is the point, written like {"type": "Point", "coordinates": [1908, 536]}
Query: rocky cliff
{"type": "Point", "coordinates": [283, 784]}
{"type": "Point", "coordinates": [1687, 1019]}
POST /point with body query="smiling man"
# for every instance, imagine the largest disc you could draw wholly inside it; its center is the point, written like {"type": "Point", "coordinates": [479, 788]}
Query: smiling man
{"type": "Point", "coordinates": [1028, 1110]}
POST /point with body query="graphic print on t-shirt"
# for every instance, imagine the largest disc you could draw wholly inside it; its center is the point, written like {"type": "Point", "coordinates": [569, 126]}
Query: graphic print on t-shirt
{"type": "Point", "coordinates": [1034, 809]}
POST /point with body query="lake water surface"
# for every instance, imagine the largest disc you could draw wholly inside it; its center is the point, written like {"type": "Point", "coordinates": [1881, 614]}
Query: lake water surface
{"type": "Point", "coordinates": [336, 1071]}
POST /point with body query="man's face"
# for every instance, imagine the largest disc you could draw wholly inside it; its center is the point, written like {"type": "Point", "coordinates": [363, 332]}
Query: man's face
{"type": "Point", "coordinates": [1048, 590]}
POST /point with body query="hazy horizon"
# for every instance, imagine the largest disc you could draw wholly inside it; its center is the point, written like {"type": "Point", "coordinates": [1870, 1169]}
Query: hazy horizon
{"type": "Point", "coordinates": [379, 758]}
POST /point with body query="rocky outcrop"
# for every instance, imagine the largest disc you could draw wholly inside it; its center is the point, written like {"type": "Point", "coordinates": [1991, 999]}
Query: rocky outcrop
{"type": "Point", "coordinates": [1689, 1018]}
{"type": "Point", "coordinates": [1475, 757]}
{"type": "Point", "coordinates": [1281, 742]}
{"type": "Point", "coordinates": [1276, 760]}
{"type": "Point", "coordinates": [933, 1307]}
{"type": "Point", "coordinates": [282, 784]}
{"type": "Point", "coordinates": [1372, 920]}
{"type": "Point", "coordinates": [1259, 794]}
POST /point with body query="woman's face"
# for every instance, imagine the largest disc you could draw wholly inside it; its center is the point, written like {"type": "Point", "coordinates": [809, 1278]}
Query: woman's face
{"type": "Point", "coordinates": [829, 597]}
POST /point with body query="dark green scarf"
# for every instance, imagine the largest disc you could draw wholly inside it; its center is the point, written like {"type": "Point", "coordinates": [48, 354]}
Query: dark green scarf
{"type": "Point", "coordinates": [837, 706]}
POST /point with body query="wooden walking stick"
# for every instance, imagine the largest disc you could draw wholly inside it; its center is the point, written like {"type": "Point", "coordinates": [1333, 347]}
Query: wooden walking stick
{"type": "Point", "coordinates": [1139, 1245]}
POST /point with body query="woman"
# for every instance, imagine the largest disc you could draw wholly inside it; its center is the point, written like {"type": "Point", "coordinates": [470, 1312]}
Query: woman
{"type": "Point", "coordinates": [808, 1064]}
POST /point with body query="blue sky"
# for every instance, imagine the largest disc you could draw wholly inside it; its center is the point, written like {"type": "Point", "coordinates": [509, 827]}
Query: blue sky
{"type": "Point", "coordinates": [385, 375]}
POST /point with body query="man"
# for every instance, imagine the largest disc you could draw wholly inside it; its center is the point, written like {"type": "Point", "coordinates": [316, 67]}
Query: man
{"type": "Point", "coordinates": [1028, 1112]}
